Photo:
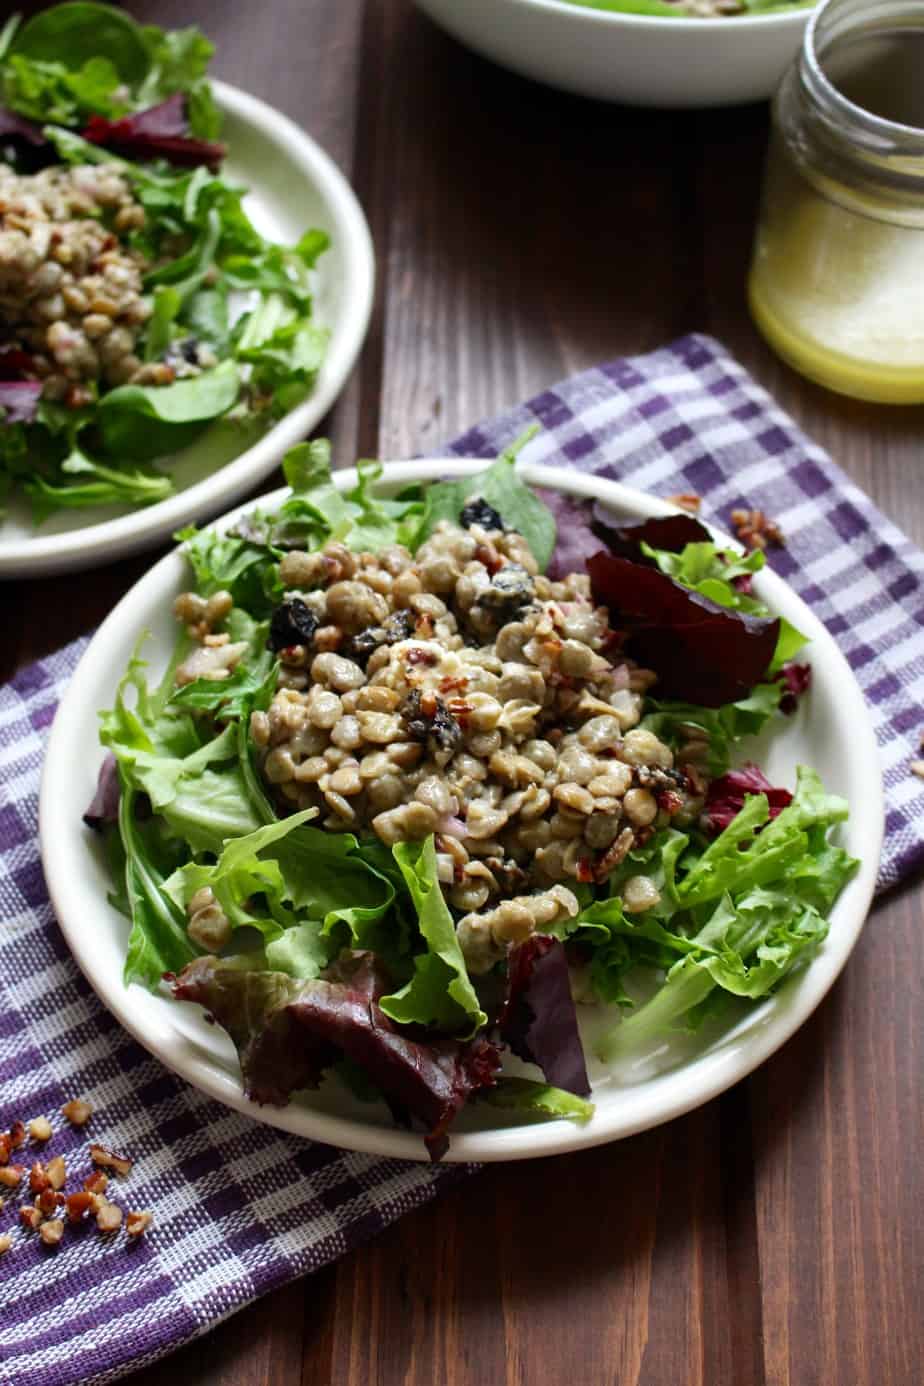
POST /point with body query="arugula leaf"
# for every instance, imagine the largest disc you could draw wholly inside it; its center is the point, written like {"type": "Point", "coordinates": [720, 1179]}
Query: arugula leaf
{"type": "Point", "coordinates": [440, 993]}
{"type": "Point", "coordinates": [229, 698]}
{"type": "Point", "coordinates": [50, 91]}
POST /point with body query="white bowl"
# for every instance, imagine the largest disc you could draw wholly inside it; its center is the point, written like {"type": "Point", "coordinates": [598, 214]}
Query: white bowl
{"type": "Point", "coordinates": [639, 60]}
{"type": "Point", "coordinates": [831, 731]}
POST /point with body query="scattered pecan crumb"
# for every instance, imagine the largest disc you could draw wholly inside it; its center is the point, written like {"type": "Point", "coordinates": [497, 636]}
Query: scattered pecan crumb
{"type": "Point", "coordinates": [109, 1217]}
{"type": "Point", "coordinates": [38, 1178]}
{"type": "Point", "coordinates": [78, 1205]}
{"type": "Point", "coordinates": [97, 1182]}
{"type": "Point", "coordinates": [30, 1217]}
{"type": "Point", "coordinates": [17, 1135]}
{"type": "Point", "coordinates": [917, 768]}
{"type": "Point", "coordinates": [755, 530]}
{"type": "Point", "coordinates": [686, 500]}
{"type": "Point", "coordinates": [10, 1175]}
{"type": "Point", "coordinates": [136, 1224]}
{"type": "Point", "coordinates": [6, 1241]}
{"type": "Point", "coordinates": [6, 1147]}
{"type": "Point", "coordinates": [56, 1171]}
{"type": "Point", "coordinates": [77, 1112]}
{"type": "Point", "coordinates": [47, 1202]}
{"type": "Point", "coordinates": [52, 1232]}
{"type": "Point", "coordinates": [40, 1129]}
{"type": "Point", "coordinates": [110, 1160]}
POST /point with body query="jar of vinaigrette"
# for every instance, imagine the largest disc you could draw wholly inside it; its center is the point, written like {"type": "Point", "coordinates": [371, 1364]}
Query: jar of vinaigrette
{"type": "Point", "coordinates": [837, 280]}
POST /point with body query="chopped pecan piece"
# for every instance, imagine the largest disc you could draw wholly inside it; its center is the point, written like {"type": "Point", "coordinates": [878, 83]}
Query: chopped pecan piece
{"type": "Point", "coordinates": [6, 1241]}
{"type": "Point", "coordinates": [686, 500]}
{"type": "Point", "coordinates": [47, 1202]}
{"type": "Point", "coordinates": [30, 1217]}
{"type": "Point", "coordinates": [78, 1205]}
{"type": "Point", "coordinates": [10, 1175]}
{"type": "Point", "coordinates": [6, 1147]}
{"type": "Point", "coordinates": [77, 1112]}
{"type": "Point", "coordinates": [40, 1129]}
{"type": "Point", "coordinates": [108, 1159]}
{"type": "Point", "coordinates": [755, 530]}
{"type": "Point", "coordinates": [109, 1217]}
{"type": "Point", "coordinates": [17, 1135]}
{"type": "Point", "coordinates": [38, 1178]}
{"type": "Point", "coordinates": [97, 1182]}
{"type": "Point", "coordinates": [56, 1172]}
{"type": "Point", "coordinates": [136, 1224]}
{"type": "Point", "coordinates": [52, 1232]}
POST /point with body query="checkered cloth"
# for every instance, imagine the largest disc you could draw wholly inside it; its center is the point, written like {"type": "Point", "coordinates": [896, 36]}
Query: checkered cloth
{"type": "Point", "coordinates": [240, 1208]}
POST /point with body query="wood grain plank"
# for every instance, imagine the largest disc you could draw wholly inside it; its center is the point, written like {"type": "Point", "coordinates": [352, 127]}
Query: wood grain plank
{"type": "Point", "coordinates": [839, 1187]}
{"type": "Point", "coordinates": [505, 272]}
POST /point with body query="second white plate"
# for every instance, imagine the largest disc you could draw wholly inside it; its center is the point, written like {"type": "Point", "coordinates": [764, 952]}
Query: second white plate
{"type": "Point", "coordinates": [293, 185]}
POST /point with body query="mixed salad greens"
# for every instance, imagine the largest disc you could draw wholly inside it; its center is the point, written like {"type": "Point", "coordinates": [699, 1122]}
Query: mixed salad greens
{"type": "Point", "coordinates": [84, 85]}
{"type": "Point", "coordinates": [344, 953]}
{"type": "Point", "coordinates": [697, 9]}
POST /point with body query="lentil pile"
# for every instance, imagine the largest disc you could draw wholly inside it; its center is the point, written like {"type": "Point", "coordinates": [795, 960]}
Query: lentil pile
{"type": "Point", "coordinates": [70, 286]}
{"type": "Point", "coordinates": [457, 692]}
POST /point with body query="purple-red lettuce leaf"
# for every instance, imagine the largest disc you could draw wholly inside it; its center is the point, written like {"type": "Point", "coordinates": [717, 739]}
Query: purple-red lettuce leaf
{"type": "Point", "coordinates": [670, 532]}
{"type": "Point", "coordinates": [287, 1033]}
{"type": "Point", "coordinates": [103, 808]}
{"type": "Point", "coordinates": [20, 130]}
{"type": "Point", "coordinates": [575, 541]}
{"type": "Point", "coordinates": [160, 132]}
{"type": "Point", "coordinates": [539, 1021]}
{"type": "Point", "coordinates": [702, 653]}
{"type": "Point", "coordinates": [726, 796]}
{"type": "Point", "coordinates": [797, 680]}
{"type": "Point", "coordinates": [15, 363]}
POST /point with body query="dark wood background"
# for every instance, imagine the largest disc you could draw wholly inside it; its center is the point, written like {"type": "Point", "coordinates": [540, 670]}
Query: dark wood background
{"type": "Point", "coordinates": [773, 1237]}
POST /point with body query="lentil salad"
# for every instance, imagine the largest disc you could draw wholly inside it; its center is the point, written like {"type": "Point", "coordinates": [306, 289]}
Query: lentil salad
{"type": "Point", "coordinates": [140, 309]}
{"type": "Point", "coordinates": [326, 921]}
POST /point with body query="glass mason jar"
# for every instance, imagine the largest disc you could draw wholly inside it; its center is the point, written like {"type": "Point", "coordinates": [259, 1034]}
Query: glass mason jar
{"type": "Point", "coordinates": [837, 278]}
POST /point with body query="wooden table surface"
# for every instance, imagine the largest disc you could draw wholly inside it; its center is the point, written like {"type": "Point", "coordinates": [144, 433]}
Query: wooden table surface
{"type": "Point", "coordinates": [774, 1236]}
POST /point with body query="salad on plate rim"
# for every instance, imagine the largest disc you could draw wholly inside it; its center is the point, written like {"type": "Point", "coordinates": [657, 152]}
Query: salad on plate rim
{"type": "Point", "coordinates": [429, 772]}
{"type": "Point", "coordinates": [141, 312]}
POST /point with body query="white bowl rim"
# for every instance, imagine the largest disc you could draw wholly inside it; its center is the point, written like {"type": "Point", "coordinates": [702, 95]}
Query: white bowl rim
{"type": "Point", "coordinates": [705, 23]}
{"type": "Point", "coordinates": [528, 1140]}
{"type": "Point", "coordinates": [144, 527]}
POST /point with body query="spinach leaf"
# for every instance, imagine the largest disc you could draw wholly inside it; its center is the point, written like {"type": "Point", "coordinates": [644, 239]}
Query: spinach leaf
{"type": "Point", "coordinates": [75, 33]}
{"type": "Point", "coordinates": [147, 421]}
{"type": "Point", "coordinates": [500, 485]}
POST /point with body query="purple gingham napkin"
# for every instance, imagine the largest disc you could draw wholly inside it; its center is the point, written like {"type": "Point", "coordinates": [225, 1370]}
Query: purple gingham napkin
{"type": "Point", "coordinates": [241, 1208]}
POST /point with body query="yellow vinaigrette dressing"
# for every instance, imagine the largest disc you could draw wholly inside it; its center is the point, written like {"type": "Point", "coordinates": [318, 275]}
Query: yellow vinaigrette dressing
{"type": "Point", "coordinates": [837, 279]}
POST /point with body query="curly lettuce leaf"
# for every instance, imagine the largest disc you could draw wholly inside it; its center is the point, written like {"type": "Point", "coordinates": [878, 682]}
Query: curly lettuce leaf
{"type": "Point", "coordinates": [739, 914]}
{"type": "Point", "coordinates": [712, 572]}
{"type": "Point", "coordinates": [525, 1095]}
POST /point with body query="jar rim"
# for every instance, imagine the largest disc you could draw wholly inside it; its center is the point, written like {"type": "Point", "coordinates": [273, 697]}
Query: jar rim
{"type": "Point", "coordinates": [869, 128]}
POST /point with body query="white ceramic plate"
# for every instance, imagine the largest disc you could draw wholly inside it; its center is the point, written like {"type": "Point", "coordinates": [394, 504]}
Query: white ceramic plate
{"type": "Point", "coordinates": [831, 731]}
{"type": "Point", "coordinates": [293, 185]}
{"type": "Point", "coordinates": [637, 59]}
